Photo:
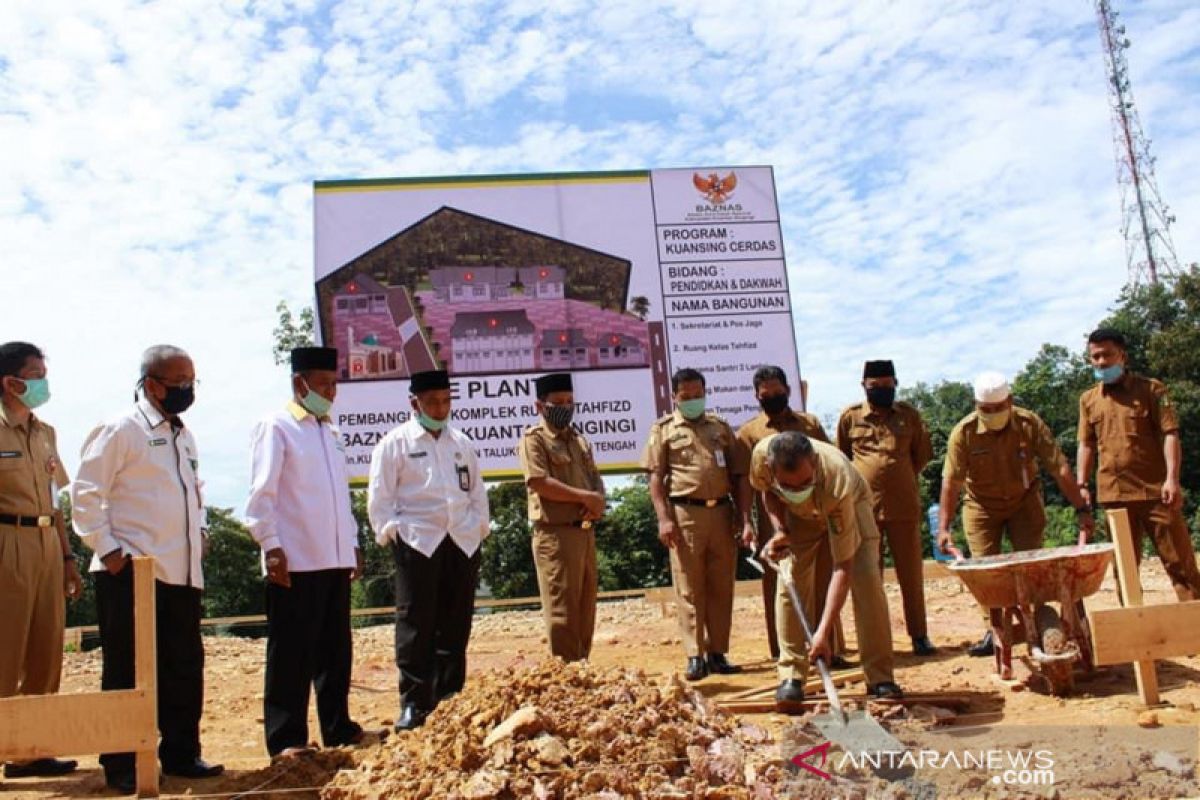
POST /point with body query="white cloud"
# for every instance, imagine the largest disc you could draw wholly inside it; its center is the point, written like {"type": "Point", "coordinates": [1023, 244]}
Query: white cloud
{"type": "Point", "coordinates": [944, 169]}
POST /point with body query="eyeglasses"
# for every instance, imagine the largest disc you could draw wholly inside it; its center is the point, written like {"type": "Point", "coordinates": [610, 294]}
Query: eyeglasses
{"type": "Point", "coordinates": [183, 385]}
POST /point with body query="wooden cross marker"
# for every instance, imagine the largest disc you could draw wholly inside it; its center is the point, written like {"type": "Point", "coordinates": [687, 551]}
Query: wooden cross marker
{"type": "Point", "coordinates": [42, 726]}
{"type": "Point", "coordinates": [1137, 633]}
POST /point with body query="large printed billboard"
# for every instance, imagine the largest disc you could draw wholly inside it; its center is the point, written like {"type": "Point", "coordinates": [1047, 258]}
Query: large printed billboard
{"type": "Point", "coordinates": [617, 277]}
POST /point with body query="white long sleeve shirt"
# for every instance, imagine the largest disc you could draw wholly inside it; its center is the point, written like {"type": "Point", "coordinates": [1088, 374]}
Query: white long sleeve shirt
{"type": "Point", "coordinates": [300, 492]}
{"type": "Point", "coordinates": [137, 491]}
{"type": "Point", "coordinates": [423, 488]}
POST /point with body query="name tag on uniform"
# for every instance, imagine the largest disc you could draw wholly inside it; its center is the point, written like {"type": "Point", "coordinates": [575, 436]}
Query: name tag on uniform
{"type": "Point", "coordinates": [464, 477]}
{"type": "Point", "coordinates": [10, 453]}
{"type": "Point", "coordinates": [418, 454]}
{"type": "Point", "coordinates": [157, 442]}
{"type": "Point", "coordinates": [720, 456]}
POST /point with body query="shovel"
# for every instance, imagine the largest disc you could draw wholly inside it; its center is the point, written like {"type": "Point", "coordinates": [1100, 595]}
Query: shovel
{"type": "Point", "coordinates": [855, 731]}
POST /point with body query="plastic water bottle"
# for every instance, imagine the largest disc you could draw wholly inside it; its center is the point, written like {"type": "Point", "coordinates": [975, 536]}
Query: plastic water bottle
{"type": "Point", "coordinates": [933, 513]}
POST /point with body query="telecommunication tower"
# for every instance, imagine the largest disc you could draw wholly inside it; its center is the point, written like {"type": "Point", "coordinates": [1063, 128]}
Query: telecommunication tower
{"type": "Point", "coordinates": [1145, 219]}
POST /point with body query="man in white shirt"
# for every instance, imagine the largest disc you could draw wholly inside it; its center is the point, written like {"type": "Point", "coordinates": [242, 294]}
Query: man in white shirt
{"type": "Point", "coordinates": [427, 499]}
{"type": "Point", "coordinates": [299, 513]}
{"type": "Point", "coordinates": [137, 494]}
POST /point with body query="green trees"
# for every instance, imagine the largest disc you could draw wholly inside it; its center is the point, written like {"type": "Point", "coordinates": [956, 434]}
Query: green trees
{"type": "Point", "coordinates": [233, 583]}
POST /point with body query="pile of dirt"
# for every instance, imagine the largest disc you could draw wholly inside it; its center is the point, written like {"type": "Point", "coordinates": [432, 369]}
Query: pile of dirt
{"type": "Point", "coordinates": [554, 730]}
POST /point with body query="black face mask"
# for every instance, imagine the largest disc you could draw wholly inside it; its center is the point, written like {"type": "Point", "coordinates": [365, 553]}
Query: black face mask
{"type": "Point", "coordinates": [773, 404]}
{"type": "Point", "coordinates": [559, 417]}
{"type": "Point", "coordinates": [178, 399]}
{"type": "Point", "coordinates": [881, 396]}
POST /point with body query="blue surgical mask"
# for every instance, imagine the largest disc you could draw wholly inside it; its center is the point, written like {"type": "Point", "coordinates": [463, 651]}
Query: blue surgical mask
{"type": "Point", "coordinates": [429, 423]}
{"type": "Point", "coordinates": [691, 409]}
{"type": "Point", "coordinates": [37, 392]}
{"type": "Point", "coordinates": [1110, 374]}
{"type": "Point", "coordinates": [314, 403]}
{"type": "Point", "coordinates": [794, 497]}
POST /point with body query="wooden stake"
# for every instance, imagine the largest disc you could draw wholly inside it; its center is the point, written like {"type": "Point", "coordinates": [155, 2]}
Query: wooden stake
{"type": "Point", "coordinates": [43, 726]}
{"type": "Point", "coordinates": [1131, 594]}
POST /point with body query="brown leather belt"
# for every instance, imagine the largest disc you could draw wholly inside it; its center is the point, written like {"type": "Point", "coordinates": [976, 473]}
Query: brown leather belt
{"type": "Point", "coordinates": [695, 501]}
{"type": "Point", "coordinates": [44, 521]}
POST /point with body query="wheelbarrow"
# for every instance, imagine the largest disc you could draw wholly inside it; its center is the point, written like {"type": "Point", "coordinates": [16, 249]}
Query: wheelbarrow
{"type": "Point", "coordinates": [1016, 588]}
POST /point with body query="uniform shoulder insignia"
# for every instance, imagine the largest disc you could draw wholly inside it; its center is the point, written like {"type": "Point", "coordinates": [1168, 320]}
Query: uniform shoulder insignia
{"type": "Point", "coordinates": [532, 429]}
{"type": "Point", "coordinates": [663, 420]}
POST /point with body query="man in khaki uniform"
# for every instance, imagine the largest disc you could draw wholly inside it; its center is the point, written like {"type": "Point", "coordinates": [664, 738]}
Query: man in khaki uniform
{"type": "Point", "coordinates": [1132, 422]}
{"type": "Point", "coordinates": [802, 482]}
{"type": "Point", "coordinates": [995, 452]}
{"type": "Point", "coordinates": [772, 392]}
{"type": "Point", "coordinates": [889, 445]}
{"type": "Point", "coordinates": [695, 467]}
{"type": "Point", "coordinates": [37, 568]}
{"type": "Point", "coordinates": [566, 496]}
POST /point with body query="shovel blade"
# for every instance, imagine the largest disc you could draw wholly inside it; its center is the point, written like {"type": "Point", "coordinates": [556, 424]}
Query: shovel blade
{"type": "Point", "coordinates": [858, 733]}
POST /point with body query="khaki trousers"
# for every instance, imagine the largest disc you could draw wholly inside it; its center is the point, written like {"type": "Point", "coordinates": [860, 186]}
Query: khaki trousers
{"type": "Point", "coordinates": [1026, 527]}
{"type": "Point", "coordinates": [32, 610]}
{"type": "Point", "coordinates": [1168, 533]}
{"type": "Point", "coordinates": [703, 569]}
{"type": "Point", "coordinates": [903, 541]}
{"type": "Point", "coordinates": [872, 622]}
{"type": "Point", "coordinates": [565, 558]}
{"type": "Point", "coordinates": [824, 571]}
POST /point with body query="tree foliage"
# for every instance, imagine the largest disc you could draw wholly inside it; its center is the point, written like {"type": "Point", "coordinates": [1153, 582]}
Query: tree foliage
{"type": "Point", "coordinates": [291, 331]}
{"type": "Point", "coordinates": [233, 583]}
{"type": "Point", "coordinates": [629, 554]}
{"type": "Point", "coordinates": [506, 562]}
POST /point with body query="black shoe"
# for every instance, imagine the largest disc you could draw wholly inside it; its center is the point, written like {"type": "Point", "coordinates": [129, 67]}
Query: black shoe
{"type": "Point", "coordinates": [886, 690]}
{"type": "Point", "coordinates": [124, 783]}
{"type": "Point", "coordinates": [790, 691]}
{"type": "Point", "coordinates": [410, 718]}
{"type": "Point", "coordinates": [922, 646]}
{"type": "Point", "coordinates": [837, 662]}
{"type": "Point", "coordinates": [696, 669]}
{"type": "Point", "coordinates": [199, 768]}
{"type": "Point", "coordinates": [984, 647]}
{"type": "Point", "coordinates": [39, 768]}
{"type": "Point", "coordinates": [719, 665]}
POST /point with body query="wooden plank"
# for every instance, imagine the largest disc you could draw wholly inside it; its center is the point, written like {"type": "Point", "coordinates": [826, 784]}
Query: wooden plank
{"type": "Point", "coordinates": [1131, 593]}
{"type": "Point", "coordinates": [1145, 633]}
{"type": "Point", "coordinates": [145, 674]}
{"type": "Point", "coordinates": [954, 702]}
{"type": "Point", "coordinates": [813, 684]}
{"type": "Point", "coordinates": [42, 726]}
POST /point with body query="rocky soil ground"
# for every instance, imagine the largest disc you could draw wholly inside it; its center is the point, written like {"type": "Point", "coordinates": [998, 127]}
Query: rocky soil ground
{"type": "Point", "coordinates": [626, 725]}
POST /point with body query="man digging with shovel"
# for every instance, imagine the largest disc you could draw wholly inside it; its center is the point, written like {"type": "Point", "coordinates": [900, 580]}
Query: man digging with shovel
{"type": "Point", "coordinates": [806, 480]}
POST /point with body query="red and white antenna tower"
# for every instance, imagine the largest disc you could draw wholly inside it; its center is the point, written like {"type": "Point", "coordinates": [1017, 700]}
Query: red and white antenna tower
{"type": "Point", "coordinates": [1145, 219]}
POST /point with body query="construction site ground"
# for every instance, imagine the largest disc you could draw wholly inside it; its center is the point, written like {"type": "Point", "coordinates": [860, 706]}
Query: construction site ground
{"type": "Point", "coordinates": [635, 633]}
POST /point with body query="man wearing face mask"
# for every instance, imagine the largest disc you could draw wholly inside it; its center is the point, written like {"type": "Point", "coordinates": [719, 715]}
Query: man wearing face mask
{"type": "Point", "coordinates": [696, 470]}
{"type": "Point", "coordinates": [138, 494]}
{"type": "Point", "coordinates": [37, 568]}
{"type": "Point", "coordinates": [889, 445]}
{"type": "Point", "coordinates": [566, 496]}
{"type": "Point", "coordinates": [800, 478]}
{"type": "Point", "coordinates": [299, 513]}
{"type": "Point", "coordinates": [1132, 422]}
{"type": "Point", "coordinates": [427, 501]}
{"type": "Point", "coordinates": [994, 453]}
{"type": "Point", "coordinates": [772, 392]}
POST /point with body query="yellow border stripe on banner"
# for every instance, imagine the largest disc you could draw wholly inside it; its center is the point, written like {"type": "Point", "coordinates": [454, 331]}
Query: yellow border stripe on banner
{"type": "Point", "coordinates": [478, 181]}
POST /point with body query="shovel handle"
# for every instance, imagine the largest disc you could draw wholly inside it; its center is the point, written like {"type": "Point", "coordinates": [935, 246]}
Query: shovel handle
{"type": "Point", "coordinates": [785, 575]}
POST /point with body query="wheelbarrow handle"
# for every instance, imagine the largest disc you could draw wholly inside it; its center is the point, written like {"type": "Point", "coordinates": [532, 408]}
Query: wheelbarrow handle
{"type": "Point", "coordinates": [785, 575]}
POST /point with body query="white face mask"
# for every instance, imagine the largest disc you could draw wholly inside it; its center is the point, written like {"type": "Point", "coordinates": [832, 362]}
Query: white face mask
{"type": "Point", "coordinates": [995, 420]}
{"type": "Point", "coordinates": [795, 497]}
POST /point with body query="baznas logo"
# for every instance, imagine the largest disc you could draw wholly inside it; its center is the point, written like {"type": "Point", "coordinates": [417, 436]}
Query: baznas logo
{"type": "Point", "coordinates": [715, 190]}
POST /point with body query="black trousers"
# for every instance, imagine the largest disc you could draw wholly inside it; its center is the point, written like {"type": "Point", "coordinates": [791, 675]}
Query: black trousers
{"type": "Point", "coordinates": [435, 601]}
{"type": "Point", "coordinates": [308, 644]}
{"type": "Point", "coordinates": [180, 663]}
